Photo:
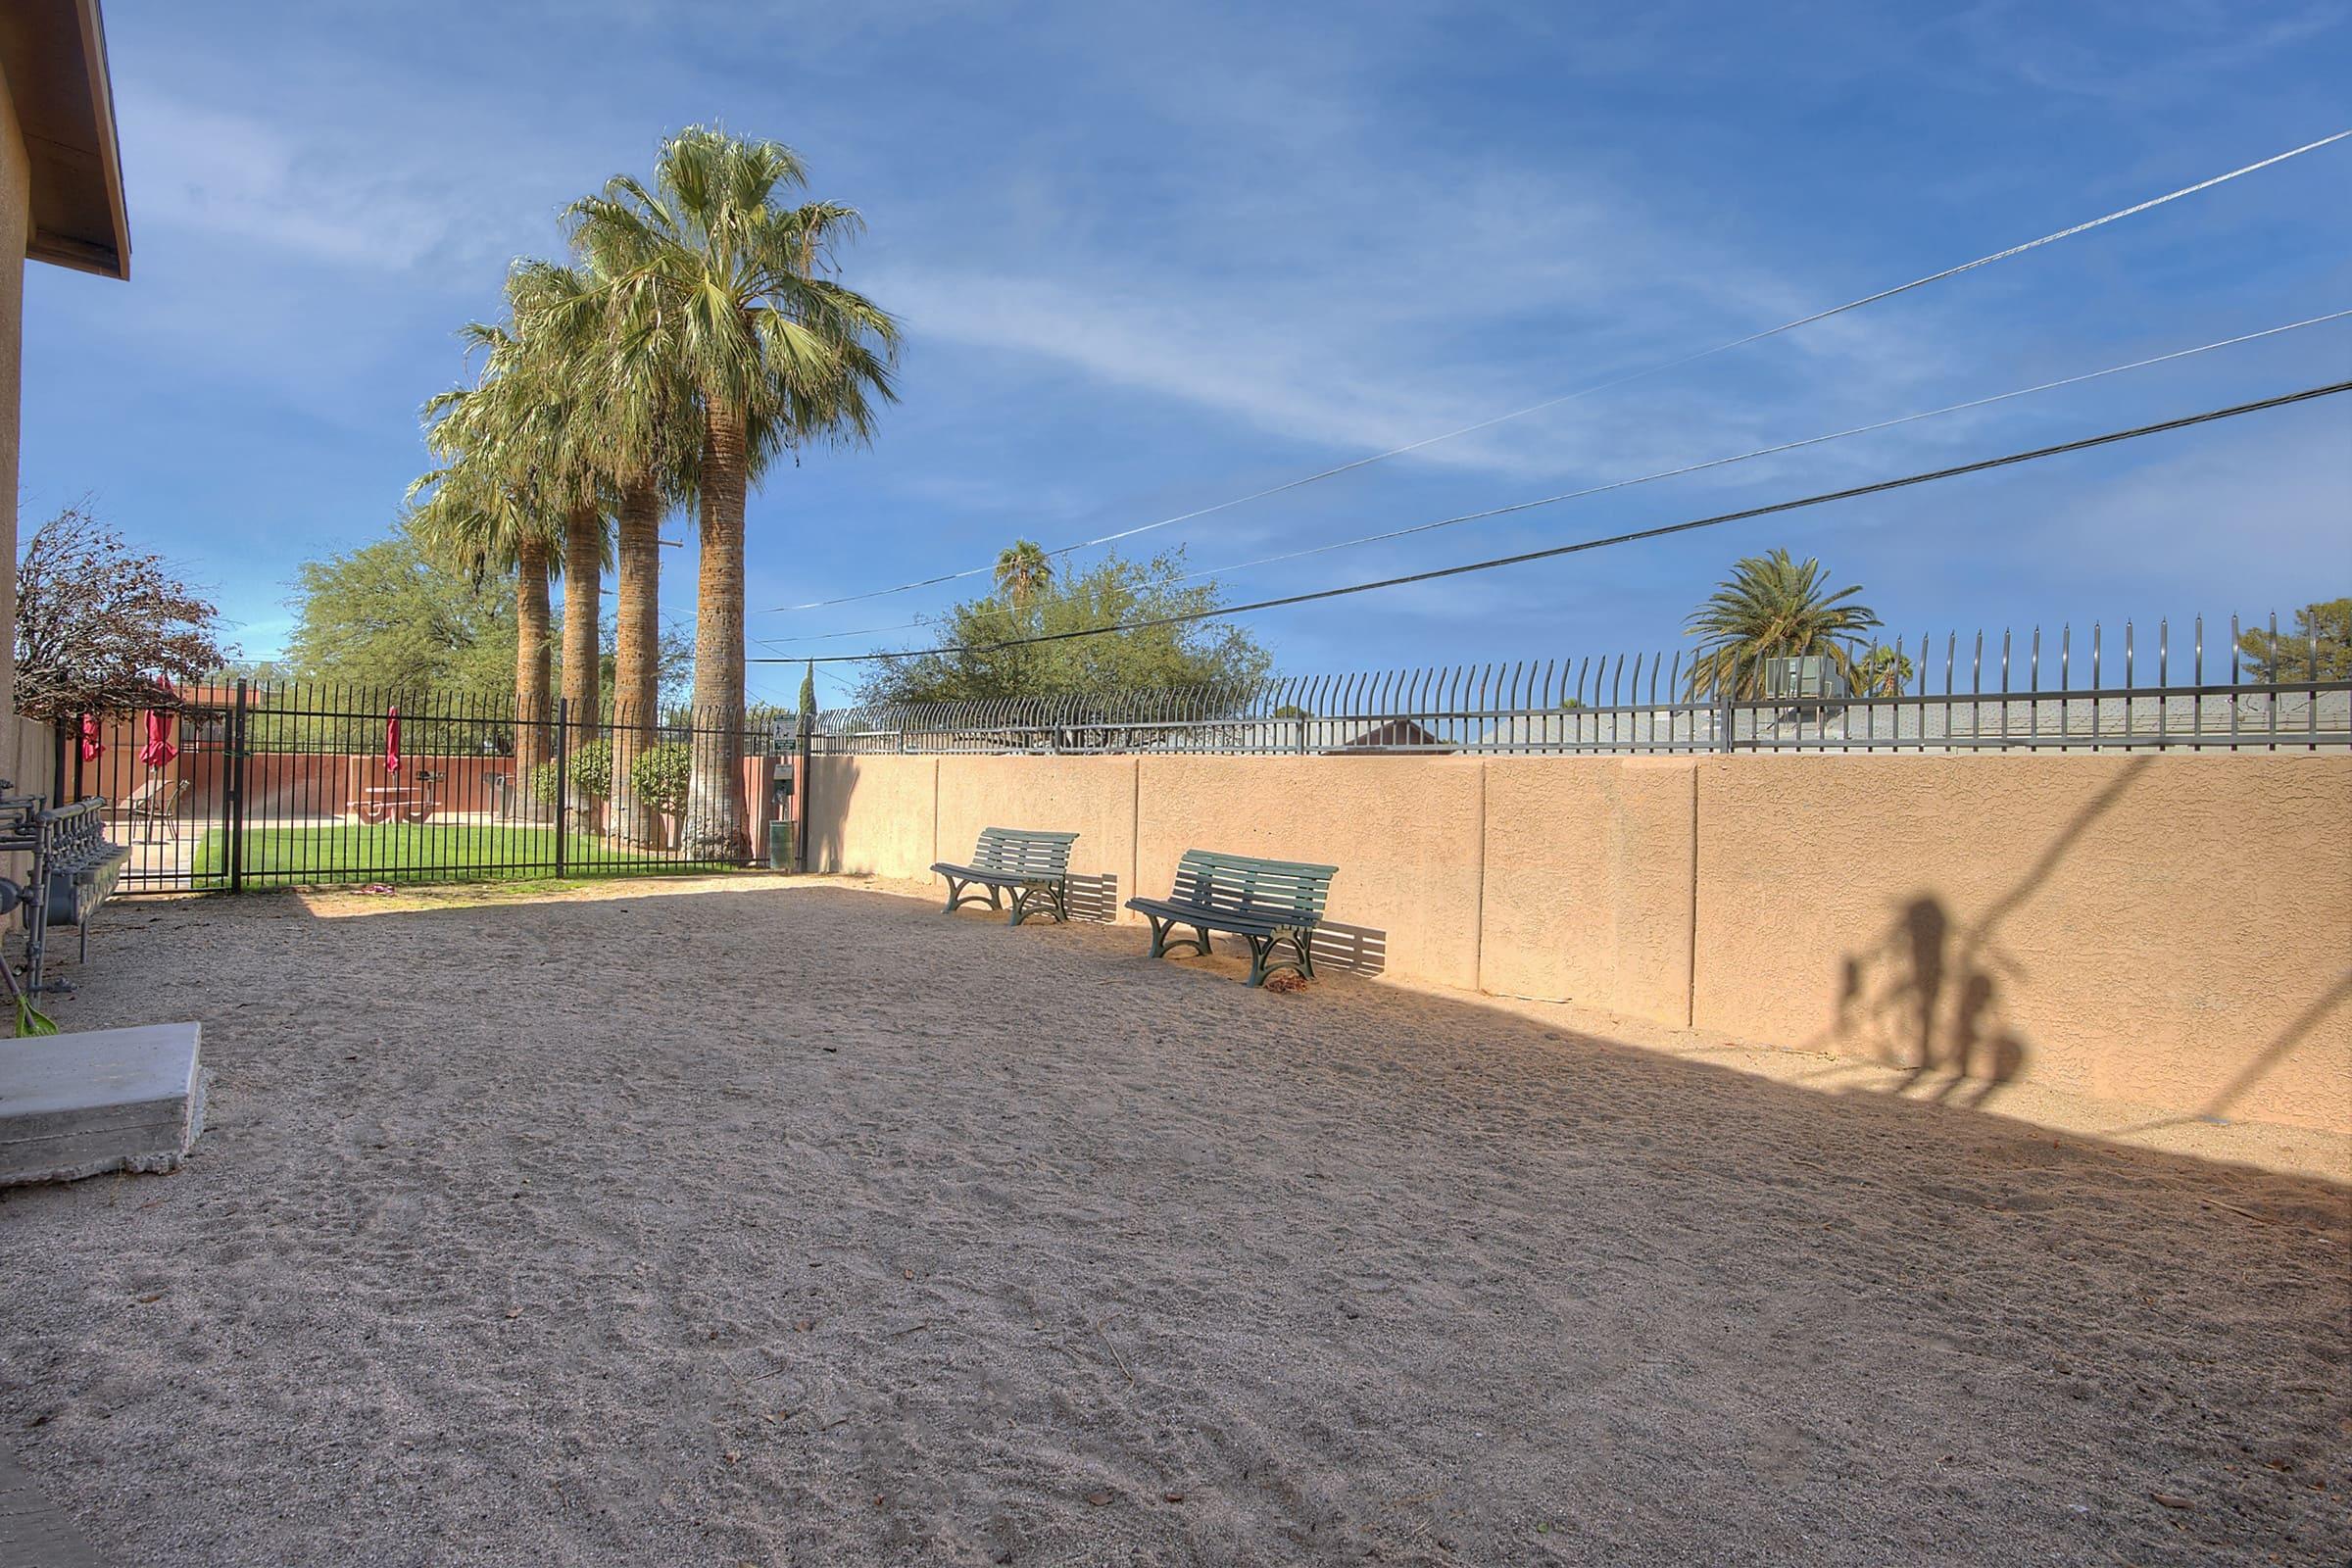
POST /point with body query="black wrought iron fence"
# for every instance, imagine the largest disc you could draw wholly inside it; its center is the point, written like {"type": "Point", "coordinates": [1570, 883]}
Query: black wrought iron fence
{"type": "Point", "coordinates": [256, 785]}
{"type": "Point", "coordinates": [2006, 693]}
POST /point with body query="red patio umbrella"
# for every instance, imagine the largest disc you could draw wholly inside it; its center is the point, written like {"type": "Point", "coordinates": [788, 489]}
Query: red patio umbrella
{"type": "Point", "coordinates": [160, 749]}
{"type": "Point", "coordinates": [392, 740]}
{"type": "Point", "coordinates": [91, 745]}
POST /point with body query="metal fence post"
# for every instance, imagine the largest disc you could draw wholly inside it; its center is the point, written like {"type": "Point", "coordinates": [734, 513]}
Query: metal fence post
{"type": "Point", "coordinates": [562, 780]}
{"type": "Point", "coordinates": [803, 785]}
{"type": "Point", "coordinates": [232, 784]}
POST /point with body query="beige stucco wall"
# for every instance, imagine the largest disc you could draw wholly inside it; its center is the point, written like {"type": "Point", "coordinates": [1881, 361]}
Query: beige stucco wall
{"type": "Point", "coordinates": [1093, 796]}
{"type": "Point", "coordinates": [2173, 931]}
{"type": "Point", "coordinates": [1404, 831]}
{"type": "Point", "coordinates": [874, 814]}
{"type": "Point", "coordinates": [1588, 864]}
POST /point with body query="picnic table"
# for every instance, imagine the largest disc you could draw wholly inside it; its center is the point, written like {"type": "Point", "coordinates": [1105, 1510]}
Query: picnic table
{"type": "Point", "coordinates": [410, 803]}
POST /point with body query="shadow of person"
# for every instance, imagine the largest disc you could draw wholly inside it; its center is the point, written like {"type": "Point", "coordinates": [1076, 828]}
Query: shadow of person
{"type": "Point", "coordinates": [1983, 1055]}
{"type": "Point", "coordinates": [1925, 931]}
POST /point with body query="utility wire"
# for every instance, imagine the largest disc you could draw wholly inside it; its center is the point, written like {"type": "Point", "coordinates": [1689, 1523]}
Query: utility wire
{"type": "Point", "coordinates": [1759, 452]}
{"type": "Point", "coordinates": [1603, 386]}
{"type": "Point", "coordinates": [2085, 442]}
{"type": "Point", "coordinates": [1663, 473]}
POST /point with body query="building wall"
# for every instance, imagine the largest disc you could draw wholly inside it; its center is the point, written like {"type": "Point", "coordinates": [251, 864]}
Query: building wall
{"type": "Point", "coordinates": [2170, 930]}
{"type": "Point", "coordinates": [23, 755]}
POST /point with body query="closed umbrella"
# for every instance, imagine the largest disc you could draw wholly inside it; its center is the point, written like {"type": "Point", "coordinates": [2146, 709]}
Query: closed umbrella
{"type": "Point", "coordinates": [392, 740]}
{"type": "Point", "coordinates": [91, 746]}
{"type": "Point", "coordinates": [159, 750]}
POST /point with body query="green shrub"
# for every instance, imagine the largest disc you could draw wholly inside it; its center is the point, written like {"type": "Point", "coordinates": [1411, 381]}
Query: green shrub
{"type": "Point", "coordinates": [592, 769]}
{"type": "Point", "coordinates": [659, 776]}
{"type": "Point", "coordinates": [591, 774]}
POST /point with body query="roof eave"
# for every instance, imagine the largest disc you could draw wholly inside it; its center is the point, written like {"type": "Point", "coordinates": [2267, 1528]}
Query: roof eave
{"type": "Point", "coordinates": [98, 239]}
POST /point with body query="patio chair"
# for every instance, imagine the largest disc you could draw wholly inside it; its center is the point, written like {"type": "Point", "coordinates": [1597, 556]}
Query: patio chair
{"type": "Point", "coordinates": [155, 806]}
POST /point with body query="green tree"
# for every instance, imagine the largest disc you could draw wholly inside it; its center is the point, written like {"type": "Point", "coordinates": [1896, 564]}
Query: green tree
{"type": "Point", "coordinates": [525, 488]}
{"type": "Point", "coordinates": [2320, 647]}
{"type": "Point", "coordinates": [808, 690]}
{"type": "Point", "coordinates": [1772, 606]}
{"type": "Point", "coordinates": [1192, 653]}
{"type": "Point", "coordinates": [1023, 571]}
{"type": "Point", "coordinates": [387, 616]}
{"type": "Point", "coordinates": [716, 285]}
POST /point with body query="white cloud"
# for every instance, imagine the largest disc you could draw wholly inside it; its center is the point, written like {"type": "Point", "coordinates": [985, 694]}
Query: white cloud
{"type": "Point", "coordinates": [226, 175]}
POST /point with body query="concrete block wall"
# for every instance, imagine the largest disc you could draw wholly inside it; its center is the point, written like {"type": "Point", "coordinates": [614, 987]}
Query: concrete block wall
{"type": "Point", "coordinates": [2171, 930]}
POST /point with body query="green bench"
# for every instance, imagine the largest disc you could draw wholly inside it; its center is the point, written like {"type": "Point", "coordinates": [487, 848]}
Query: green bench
{"type": "Point", "coordinates": [1024, 863]}
{"type": "Point", "coordinates": [1271, 905]}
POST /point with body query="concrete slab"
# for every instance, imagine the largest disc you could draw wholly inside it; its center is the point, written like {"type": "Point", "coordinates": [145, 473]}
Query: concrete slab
{"type": "Point", "coordinates": [81, 1104]}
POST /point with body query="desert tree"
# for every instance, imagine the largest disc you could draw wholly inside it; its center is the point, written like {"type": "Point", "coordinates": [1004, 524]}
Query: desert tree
{"type": "Point", "coordinates": [102, 626]}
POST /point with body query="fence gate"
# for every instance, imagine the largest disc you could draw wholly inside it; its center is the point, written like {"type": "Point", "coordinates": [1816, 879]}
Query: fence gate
{"type": "Point", "coordinates": [171, 780]}
{"type": "Point", "coordinates": [249, 785]}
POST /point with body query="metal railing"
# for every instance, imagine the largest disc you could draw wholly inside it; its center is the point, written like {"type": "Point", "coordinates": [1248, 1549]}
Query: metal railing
{"type": "Point", "coordinates": [2010, 693]}
{"type": "Point", "coordinates": [246, 784]}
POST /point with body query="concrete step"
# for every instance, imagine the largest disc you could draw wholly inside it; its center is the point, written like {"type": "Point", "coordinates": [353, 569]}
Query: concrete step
{"type": "Point", "coordinates": [82, 1104]}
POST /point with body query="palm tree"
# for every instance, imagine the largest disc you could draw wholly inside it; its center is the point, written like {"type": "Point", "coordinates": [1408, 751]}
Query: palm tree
{"type": "Point", "coordinates": [715, 283]}
{"type": "Point", "coordinates": [471, 520]}
{"type": "Point", "coordinates": [1023, 570]}
{"type": "Point", "coordinates": [523, 491]}
{"type": "Point", "coordinates": [1884, 671]}
{"type": "Point", "coordinates": [553, 411]}
{"type": "Point", "coordinates": [1772, 608]}
{"type": "Point", "coordinates": [646, 452]}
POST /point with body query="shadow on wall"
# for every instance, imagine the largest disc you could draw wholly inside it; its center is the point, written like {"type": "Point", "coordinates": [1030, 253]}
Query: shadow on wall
{"type": "Point", "coordinates": [2218, 1108]}
{"type": "Point", "coordinates": [1928, 999]}
{"type": "Point", "coordinates": [1353, 948]}
{"type": "Point", "coordinates": [1095, 898]}
{"type": "Point", "coordinates": [1357, 948]}
{"type": "Point", "coordinates": [1927, 996]}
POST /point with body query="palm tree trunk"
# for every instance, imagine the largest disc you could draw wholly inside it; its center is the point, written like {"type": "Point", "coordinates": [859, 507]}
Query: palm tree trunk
{"type": "Point", "coordinates": [583, 614]}
{"type": "Point", "coordinates": [714, 791]}
{"type": "Point", "coordinates": [532, 672]}
{"type": "Point", "coordinates": [637, 652]}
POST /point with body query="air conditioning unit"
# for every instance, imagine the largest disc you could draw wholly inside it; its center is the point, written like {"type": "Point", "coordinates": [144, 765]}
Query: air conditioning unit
{"type": "Point", "coordinates": [1812, 677]}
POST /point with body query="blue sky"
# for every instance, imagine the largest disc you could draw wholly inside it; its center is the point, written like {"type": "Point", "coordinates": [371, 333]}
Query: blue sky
{"type": "Point", "coordinates": [1152, 258]}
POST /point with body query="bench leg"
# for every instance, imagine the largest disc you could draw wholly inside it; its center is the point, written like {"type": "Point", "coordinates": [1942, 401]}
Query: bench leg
{"type": "Point", "coordinates": [1061, 903]}
{"type": "Point", "coordinates": [1020, 905]}
{"type": "Point", "coordinates": [958, 897]}
{"type": "Point", "coordinates": [1263, 964]}
{"type": "Point", "coordinates": [1161, 942]}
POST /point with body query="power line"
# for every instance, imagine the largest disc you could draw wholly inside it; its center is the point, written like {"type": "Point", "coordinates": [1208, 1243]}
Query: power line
{"type": "Point", "coordinates": [1663, 473]}
{"type": "Point", "coordinates": [1603, 386]}
{"type": "Point", "coordinates": [1759, 452]}
{"type": "Point", "coordinates": [2008, 459]}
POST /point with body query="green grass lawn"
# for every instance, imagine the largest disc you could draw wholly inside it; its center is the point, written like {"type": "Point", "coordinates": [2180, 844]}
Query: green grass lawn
{"type": "Point", "coordinates": [425, 852]}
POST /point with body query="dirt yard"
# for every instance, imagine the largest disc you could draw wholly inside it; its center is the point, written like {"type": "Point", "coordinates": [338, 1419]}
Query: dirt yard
{"type": "Point", "coordinates": [800, 1225]}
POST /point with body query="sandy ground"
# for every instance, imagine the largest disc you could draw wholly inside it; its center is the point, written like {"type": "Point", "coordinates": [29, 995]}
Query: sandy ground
{"type": "Point", "coordinates": [800, 1225]}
